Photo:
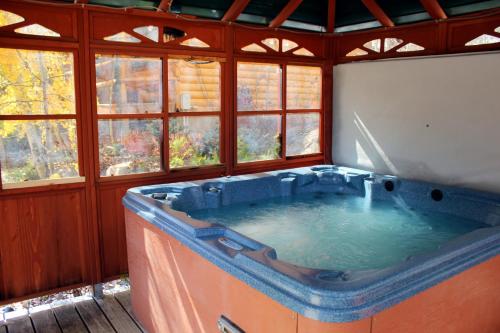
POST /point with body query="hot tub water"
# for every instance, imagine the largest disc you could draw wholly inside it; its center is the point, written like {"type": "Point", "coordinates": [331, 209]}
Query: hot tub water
{"type": "Point", "coordinates": [341, 232]}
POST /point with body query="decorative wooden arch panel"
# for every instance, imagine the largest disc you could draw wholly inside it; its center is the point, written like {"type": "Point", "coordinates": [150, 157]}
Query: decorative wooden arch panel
{"type": "Point", "coordinates": [265, 42]}
{"type": "Point", "coordinates": [388, 43]}
{"type": "Point", "coordinates": [62, 21]}
{"type": "Point", "coordinates": [164, 33]}
{"type": "Point", "coordinates": [460, 33]}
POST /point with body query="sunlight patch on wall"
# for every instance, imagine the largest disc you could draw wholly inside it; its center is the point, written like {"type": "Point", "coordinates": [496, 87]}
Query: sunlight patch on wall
{"type": "Point", "coordinates": [364, 131]}
{"type": "Point", "coordinates": [362, 158]}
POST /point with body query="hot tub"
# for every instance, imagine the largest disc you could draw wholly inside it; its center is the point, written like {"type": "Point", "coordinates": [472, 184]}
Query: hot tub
{"type": "Point", "coordinates": [392, 255]}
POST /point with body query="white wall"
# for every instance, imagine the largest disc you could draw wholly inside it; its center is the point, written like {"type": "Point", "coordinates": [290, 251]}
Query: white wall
{"type": "Point", "coordinates": [434, 119]}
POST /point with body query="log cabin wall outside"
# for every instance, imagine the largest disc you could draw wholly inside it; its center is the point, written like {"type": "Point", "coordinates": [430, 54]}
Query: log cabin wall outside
{"type": "Point", "coordinates": [65, 234]}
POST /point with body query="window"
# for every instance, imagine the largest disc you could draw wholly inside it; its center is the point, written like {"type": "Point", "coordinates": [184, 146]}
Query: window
{"type": "Point", "coordinates": [135, 126]}
{"type": "Point", "coordinates": [261, 114]}
{"type": "Point", "coordinates": [129, 111]}
{"type": "Point", "coordinates": [303, 97]}
{"type": "Point", "coordinates": [259, 87]}
{"type": "Point", "coordinates": [259, 91]}
{"type": "Point", "coordinates": [303, 88]}
{"type": "Point", "coordinates": [38, 136]}
{"type": "Point", "coordinates": [194, 105]}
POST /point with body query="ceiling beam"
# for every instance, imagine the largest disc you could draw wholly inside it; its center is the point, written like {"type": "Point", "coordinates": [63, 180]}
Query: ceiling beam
{"type": "Point", "coordinates": [330, 26]}
{"type": "Point", "coordinates": [378, 12]}
{"type": "Point", "coordinates": [235, 10]}
{"type": "Point", "coordinates": [285, 13]}
{"type": "Point", "coordinates": [434, 9]}
{"type": "Point", "coordinates": [164, 6]}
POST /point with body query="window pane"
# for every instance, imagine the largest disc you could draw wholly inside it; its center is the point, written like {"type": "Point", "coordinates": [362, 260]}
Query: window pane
{"type": "Point", "coordinates": [303, 87]}
{"type": "Point", "coordinates": [302, 133]}
{"type": "Point", "coordinates": [193, 85]}
{"type": "Point", "coordinates": [130, 146]}
{"type": "Point", "coordinates": [36, 82]}
{"type": "Point", "coordinates": [259, 138]}
{"type": "Point", "coordinates": [193, 141]}
{"type": "Point", "coordinates": [38, 150]}
{"type": "Point", "coordinates": [128, 85]}
{"type": "Point", "coordinates": [259, 87]}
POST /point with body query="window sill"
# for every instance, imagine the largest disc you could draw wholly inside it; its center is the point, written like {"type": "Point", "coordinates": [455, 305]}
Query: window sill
{"type": "Point", "coordinates": [40, 183]}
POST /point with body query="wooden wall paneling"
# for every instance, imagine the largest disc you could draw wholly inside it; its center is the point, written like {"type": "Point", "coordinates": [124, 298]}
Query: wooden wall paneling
{"type": "Point", "coordinates": [112, 231]}
{"type": "Point", "coordinates": [43, 241]}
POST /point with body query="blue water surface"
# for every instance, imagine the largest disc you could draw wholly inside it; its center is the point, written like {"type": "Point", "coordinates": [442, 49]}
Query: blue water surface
{"type": "Point", "coordinates": [342, 232]}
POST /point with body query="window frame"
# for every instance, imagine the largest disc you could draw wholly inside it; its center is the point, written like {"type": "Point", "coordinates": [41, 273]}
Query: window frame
{"type": "Point", "coordinates": [164, 115]}
{"type": "Point", "coordinates": [284, 161]}
{"type": "Point", "coordinates": [219, 114]}
{"type": "Point", "coordinates": [79, 180]}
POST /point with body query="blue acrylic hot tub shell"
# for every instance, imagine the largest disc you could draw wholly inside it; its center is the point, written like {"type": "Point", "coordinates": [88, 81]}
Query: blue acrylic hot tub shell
{"type": "Point", "coordinates": [325, 295]}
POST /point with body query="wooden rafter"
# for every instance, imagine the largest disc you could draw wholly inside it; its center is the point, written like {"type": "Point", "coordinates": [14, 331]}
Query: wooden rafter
{"type": "Point", "coordinates": [285, 13]}
{"type": "Point", "coordinates": [434, 9]}
{"type": "Point", "coordinates": [330, 26]}
{"type": "Point", "coordinates": [235, 10]}
{"type": "Point", "coordinates": [378, 12]}
{"type": "Point", "coordinates": [164, 6]}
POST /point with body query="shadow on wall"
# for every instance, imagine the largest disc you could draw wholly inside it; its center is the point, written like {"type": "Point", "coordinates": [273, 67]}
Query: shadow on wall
{"type": "Point", "coordinates": [381, 150]}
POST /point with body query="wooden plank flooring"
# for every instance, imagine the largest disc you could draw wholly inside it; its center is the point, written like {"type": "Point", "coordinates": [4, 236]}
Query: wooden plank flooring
{"type": "Point", "coordinates": [110, 314]}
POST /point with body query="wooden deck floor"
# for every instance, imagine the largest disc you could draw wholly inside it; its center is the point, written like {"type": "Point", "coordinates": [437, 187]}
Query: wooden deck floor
{"type": "Point", "coordinates": [110, 314]}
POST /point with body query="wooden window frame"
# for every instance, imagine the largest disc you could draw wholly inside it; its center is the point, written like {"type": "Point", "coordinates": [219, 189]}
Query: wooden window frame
{"type": "Point", "coordinates": [284, 161]}
{"type": "Point", "coordinates": [220, 114]}
{"type": "Point", "coordinates": [164, 115]}
{"type": "Point", "coordinates": [77, 117]}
